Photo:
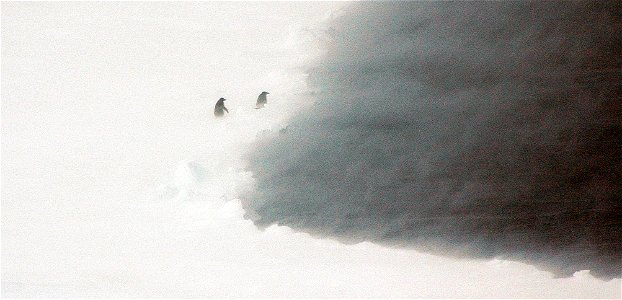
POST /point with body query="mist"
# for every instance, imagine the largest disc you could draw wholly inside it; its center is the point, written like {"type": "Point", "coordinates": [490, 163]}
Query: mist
{"type": "Point", "coordinates": [470, 129]}
{"type": "Point", "coordinates": [117, 180]}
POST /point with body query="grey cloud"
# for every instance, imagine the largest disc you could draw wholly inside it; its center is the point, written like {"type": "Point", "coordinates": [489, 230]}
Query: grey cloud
{"type": "Point", "coordinates": [470, 129]}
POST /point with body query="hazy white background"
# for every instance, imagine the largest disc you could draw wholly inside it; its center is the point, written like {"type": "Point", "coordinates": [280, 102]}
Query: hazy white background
{"type": "Point", "coordinates": [117, 180]}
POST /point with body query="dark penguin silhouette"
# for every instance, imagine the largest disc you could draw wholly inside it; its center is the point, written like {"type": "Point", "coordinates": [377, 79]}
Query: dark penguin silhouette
{"type": "Point", "coordinates": [220, 109]}
{"type": "Point", "coordinates": [261, 100]}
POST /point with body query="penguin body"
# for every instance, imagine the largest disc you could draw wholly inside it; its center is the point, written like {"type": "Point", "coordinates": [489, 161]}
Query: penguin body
{"type": "Point", "coordinates": [220, 109]}
{"type": "Point", "coordinates": [261, 100]}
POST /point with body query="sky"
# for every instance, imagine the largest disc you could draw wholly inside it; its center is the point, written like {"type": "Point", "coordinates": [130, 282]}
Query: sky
{"type": "Point", "coordinates": [117, 181]}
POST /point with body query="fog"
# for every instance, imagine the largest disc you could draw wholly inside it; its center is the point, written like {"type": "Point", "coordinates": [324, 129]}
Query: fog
{"type": "Point", "coordinates": [117, 181]}
{"type": "Point", "coordinates": [480, 130]}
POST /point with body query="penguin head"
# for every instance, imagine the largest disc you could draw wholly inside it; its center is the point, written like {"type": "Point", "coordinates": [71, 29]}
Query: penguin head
{"type": "Point", "coordinates": [265, 93]}
{"type": "Point", "coordinates": [222, 99]}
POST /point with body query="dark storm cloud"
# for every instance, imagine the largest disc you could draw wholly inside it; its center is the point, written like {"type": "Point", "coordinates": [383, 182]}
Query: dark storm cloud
{"type": "Point", "coordinates": [471, 129]}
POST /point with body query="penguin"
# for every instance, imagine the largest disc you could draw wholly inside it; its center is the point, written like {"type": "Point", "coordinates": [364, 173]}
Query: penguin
{"type": "Point", "coordinates": [261, 100]}
{"type": "Point", "coordinates": [219, 109]}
